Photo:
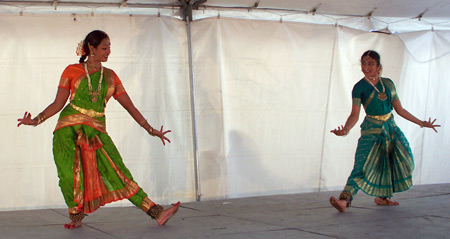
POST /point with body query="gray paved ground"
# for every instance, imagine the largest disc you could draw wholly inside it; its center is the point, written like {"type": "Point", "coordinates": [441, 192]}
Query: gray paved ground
{"type": "Point", "coordinates": [424, 212]}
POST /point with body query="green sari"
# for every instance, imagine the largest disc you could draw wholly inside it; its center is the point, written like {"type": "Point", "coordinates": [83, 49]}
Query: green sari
{"type": "Point", "coordinates": [90, 169]}
{"type": "Point", "coordinates": [383, 160]}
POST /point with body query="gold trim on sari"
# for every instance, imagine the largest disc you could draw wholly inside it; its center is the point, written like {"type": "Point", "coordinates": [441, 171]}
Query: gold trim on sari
{"type": "Point", "coordinates": [96, 193]}
{"type": "Point", "coordinates": [81, 119]}
{"type": "Point", "coordinates": [90, 112]}
{"type": "Point", "coordinates": [384, 118]}
{"type": "Point", "coordinates": [64, 82]}
{"type": "Point", "coordinates": [76, 85]}
{"type": "Point", "coordinates": [109, 78]}
{"type": "Point", "coordinates": [146, 204]}
{"type": "Point", "coordinates": [77, 193]}
{"type": "Point", "coordinates": [369, 99]}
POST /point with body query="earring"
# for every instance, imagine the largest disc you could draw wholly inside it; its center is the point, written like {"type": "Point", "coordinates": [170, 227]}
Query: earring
{"type": "Point", "coordinates": [92, 54]}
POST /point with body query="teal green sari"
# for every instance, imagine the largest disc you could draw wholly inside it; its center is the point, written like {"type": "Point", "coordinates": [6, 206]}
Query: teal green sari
{"type": "Point", "coordinates": [383, 160]}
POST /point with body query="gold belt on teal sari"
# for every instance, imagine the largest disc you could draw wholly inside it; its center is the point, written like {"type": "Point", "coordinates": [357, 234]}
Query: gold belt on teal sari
{"type": "Point", "coordinates": [385, 117]}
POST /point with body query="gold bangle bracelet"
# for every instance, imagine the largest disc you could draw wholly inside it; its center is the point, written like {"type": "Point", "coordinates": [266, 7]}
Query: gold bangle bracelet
{"type": "Point", "coordinates": [144, 123]}
{"type": "Point", "coordinates": [150, 131]}
{"type": "Point", "coordinates": [40, 118]}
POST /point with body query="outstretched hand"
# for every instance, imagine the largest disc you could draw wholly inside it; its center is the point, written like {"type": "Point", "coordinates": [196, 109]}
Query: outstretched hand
{"type": "Point", "coordinates": [26, 120]}
{"type": "Point", "coordinates": [340, 131]}
{"type": "Point", "coordinates": [430, 124]}
{"type": "Point", "coordinates": [162, 134]}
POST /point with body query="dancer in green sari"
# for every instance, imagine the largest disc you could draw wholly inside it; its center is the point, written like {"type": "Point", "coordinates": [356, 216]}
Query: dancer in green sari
{"type": "Point", "coordinates": [90, 169]}
{"type": "Point", "coordinates": [383, 160]}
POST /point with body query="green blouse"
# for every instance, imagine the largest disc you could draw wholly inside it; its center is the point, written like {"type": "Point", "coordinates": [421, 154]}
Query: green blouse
{"type": "Point", "coordinates": [364, 93]}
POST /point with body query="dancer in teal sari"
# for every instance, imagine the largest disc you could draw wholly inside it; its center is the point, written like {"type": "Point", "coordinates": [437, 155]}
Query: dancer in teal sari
{"type": "Point", "coordinates": [383, 161]}
{"type": "Point", "coordinates": [90, 169]}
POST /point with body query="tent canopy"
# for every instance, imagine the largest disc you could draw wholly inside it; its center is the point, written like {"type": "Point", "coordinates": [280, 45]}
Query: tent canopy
{"type": "Point", "coordinates": [267, 91]}
{"type": "Point", "coordinates": [387, 15]}
{"type": "Point", "coordinates": [377, 8]}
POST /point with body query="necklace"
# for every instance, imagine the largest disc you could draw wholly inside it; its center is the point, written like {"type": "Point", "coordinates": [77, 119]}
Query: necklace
{"type": "Point", "coordinates": [99, 88]}
{"type": "Point", "coordinates": [381, 95]}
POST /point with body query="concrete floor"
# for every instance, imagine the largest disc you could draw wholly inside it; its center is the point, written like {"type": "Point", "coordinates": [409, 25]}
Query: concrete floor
{"type": "Point", "coordinates": [424, 213]}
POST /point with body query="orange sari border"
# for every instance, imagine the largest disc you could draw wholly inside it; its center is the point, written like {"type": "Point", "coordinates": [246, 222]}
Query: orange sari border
{"type": "Point", "coordinates": [120, 90]}
{"type": "Point", "coordinates": [88, 144]}
{"type": "Point", "coordinates": [77, 193]}
{"type": "Point", "coordinates": [146, 204]}
{"type": "Point", "coordinates": [95, 193]}
{"type": "Point", "coordinates": [77, 119]}
{"type": "Point", "coordinates": [109, 78]}
{"type": "Point", "coordinates": [114, 196]}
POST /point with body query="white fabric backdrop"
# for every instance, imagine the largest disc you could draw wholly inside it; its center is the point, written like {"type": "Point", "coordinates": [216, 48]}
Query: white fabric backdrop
{"type": "Point", "coordinates": [149, 54]}
{"type": "Point", "coordinates": [267, 95]}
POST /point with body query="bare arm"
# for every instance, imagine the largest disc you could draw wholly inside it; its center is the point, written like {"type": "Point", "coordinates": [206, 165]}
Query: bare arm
{"type": "Point", "coordinates": [126, 102]}
{"type": "Point", "coordinates": [408, 116]}
{"type": "Point", "coordinates": [351, 121]}
{"type": "Point", "coordinates": [404, 113]}
{"type": "Point", "coordinates": [60, 100]}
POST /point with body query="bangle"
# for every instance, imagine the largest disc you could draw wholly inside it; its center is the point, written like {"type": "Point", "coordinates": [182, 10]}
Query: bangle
{"type": "Point", "coordinates": [421, 124]}
{"type": "Point", "coordinates": [150, 131]}
{"type": "Point", "coordinates": [144, 124]}
{"type": "Point", "coordinates": [40, 118]}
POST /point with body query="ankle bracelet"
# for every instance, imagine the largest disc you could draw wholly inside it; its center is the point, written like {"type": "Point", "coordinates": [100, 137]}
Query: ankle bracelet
{"type": "Point", "coordinates": [154, 211]}
{"type": "Point", "coordinates": [77, 217]}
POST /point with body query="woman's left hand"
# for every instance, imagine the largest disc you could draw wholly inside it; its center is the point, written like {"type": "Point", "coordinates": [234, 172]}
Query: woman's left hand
{"type": "Point", "coordinates": [26, 120]}
{"type": "Point", "coordinates": [162, 134]}
{"type": "Point", "coordinates": [430, 124]}
{"type": "Point", "coordinates": [340, 131]}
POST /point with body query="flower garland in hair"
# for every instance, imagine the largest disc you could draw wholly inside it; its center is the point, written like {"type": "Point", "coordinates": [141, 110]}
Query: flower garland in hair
{"type": "Point", "coordinates": [80, 50]}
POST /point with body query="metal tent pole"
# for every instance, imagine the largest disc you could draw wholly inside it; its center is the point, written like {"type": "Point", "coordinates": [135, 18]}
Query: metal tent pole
{"type": "Point", "coordinates": [193, 115]}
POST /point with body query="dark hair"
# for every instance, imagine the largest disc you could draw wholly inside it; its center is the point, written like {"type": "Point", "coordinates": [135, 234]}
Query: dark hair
{"type": "Point", "coordinates": [372, 54]}
{"type": "Point", "coordinates": [94, 39]}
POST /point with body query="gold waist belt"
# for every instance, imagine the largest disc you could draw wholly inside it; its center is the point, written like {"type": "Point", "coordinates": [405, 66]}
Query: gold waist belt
{"type": "Point", "coordinates": [89, 112]}
{"type": "Point", "coordinates": [381, 117]}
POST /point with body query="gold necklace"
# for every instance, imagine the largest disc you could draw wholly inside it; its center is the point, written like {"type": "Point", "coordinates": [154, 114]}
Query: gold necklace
{"type": "Point", "coordinates": [99, 88]}
{"type": "Point", "coordinates": [381, 95]}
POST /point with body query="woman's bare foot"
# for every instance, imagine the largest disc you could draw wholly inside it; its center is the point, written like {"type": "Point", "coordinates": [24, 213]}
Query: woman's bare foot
{"type": "Point", "coordinates": [340, 205]}
{"type": "Point", "coordinates": [166, 214]}
{"type": "Point", "coordinates": [385, 202]}
{"type": "Point", "coordinates": [73, 225]}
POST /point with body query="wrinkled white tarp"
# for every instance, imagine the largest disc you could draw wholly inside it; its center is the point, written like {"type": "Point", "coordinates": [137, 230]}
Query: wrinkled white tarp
{"type": "Point", "coordinates": [267, 95]}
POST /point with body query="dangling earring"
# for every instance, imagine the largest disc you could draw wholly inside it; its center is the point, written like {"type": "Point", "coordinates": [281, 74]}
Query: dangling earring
{"type": "Point", "coordinates": [92, 53]}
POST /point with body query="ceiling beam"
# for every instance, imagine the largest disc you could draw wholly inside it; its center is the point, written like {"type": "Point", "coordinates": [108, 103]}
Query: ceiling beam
{"type": "Point", "coordinates": [369, 15]}
{"type": "Point", "coordinates": [314, 10]}
{"type": "Point", "coordinates": [419, 17]}
{"type": "Point", "coordinates": [87, 4]}
{"type": "Point", "coordinates": [187, 6]}
{"type": "Point", "coordinates": [124, 3]}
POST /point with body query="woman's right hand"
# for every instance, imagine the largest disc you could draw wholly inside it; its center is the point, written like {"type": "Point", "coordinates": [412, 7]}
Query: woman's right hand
{"type": "Point", "coordinates": [430, 124]}
{"type": "Point", "coordinates": [161, 134]}
{"type": "Point", "coordinates": [340, 131]}
{"type": "Point", "coordinates": [26, 120]}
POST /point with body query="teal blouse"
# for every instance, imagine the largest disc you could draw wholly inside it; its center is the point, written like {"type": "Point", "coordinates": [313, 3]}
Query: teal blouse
{"type": "Point", "coordinates": [364, 93]}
